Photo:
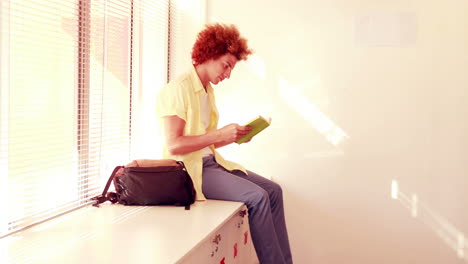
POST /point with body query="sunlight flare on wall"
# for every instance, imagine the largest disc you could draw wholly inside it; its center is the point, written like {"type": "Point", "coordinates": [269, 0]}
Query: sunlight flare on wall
{"type": "Point", "coordinates": [310, 112]}
{"type": "Point", "coordinates": [447, 232]}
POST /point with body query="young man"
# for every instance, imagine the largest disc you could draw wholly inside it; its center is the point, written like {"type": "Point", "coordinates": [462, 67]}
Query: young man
{"type": "Point", "coordinates": [189, 115]}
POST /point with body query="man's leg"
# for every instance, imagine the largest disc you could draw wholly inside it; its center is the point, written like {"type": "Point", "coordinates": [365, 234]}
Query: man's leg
{"type": "Point", "coordinates": [275, 193]}
{"type": "Point", "coordinates": [223, 185]}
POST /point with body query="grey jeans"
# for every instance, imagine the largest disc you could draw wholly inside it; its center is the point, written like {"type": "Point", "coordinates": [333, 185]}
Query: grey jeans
{"type": "Point", "coordinates": [264, 200]}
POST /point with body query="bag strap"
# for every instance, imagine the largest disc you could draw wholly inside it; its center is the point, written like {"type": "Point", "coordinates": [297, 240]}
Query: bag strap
{"type": "Point", "coordinates": [104, 197]}
{"type": "Point", "coordinates": [187, 184]}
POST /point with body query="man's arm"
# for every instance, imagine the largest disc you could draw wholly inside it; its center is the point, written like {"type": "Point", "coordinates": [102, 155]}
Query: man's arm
{"type": "Point", "coordinates": [178, 144]}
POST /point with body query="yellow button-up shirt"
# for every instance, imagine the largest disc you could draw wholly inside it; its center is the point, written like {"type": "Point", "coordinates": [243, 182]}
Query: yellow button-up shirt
{"type": "Point", "coordinates": [182, 97]}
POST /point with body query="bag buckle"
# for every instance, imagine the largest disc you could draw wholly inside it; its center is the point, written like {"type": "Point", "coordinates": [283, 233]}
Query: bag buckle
{"type": "Point", "coordinates": [99, 200]}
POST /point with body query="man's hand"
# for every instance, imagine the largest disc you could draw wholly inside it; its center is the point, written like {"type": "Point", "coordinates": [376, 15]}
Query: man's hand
{"type": "Point", "coordinates": [231, 133]}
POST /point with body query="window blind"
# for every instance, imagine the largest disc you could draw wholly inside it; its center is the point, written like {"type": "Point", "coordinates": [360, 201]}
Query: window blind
{"type": "Point", "coordinates": [187, 18]}
{"type": "Point", "coordinates": [149, 74]}
{"type": "Point", "coordinates": [74, 75]}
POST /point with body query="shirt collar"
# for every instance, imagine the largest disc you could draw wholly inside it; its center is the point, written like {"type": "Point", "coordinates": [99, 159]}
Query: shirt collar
{"type": "Point", "coordinates": [197, 84]}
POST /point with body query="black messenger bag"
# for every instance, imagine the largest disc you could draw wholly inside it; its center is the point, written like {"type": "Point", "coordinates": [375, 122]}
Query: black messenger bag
{"type": "Point", "coordinates": [150, 182]}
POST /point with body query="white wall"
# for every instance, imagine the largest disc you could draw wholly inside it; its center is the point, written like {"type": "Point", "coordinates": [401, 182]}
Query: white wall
{"type": "Point", "coordinates": [391, 76]}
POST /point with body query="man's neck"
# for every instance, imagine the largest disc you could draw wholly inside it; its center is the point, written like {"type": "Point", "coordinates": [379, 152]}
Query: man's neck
{"type": "Point", "coordinates": [202, 75]}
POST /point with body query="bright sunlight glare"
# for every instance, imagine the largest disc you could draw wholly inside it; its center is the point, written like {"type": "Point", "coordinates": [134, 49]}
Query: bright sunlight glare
{"type": "Point", "coordinates": [311, 113]}
{"type": "Point", "coordinates": [446, 231]}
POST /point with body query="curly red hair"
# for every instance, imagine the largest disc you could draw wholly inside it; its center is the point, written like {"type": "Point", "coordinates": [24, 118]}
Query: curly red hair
{"type": "Point", "coordinates": [218, 39]}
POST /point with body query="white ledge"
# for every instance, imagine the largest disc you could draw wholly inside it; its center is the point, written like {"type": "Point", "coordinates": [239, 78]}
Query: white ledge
{"type": "Point", "coordinates": [118, 234]}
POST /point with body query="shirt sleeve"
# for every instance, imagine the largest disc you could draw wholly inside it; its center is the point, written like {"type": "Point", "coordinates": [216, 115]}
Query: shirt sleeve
{"type": "Point", "coordinates": [171, 101]}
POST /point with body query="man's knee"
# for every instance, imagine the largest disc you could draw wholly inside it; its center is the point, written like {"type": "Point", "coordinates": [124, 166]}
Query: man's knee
{"type": "Point", "coordinates": [275, 191]}
{"type": "Point", "coordinates": [259, 197]}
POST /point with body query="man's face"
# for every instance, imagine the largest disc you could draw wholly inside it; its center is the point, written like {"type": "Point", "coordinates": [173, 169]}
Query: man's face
{"type": "Point", "coordinates": [220, 68]}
